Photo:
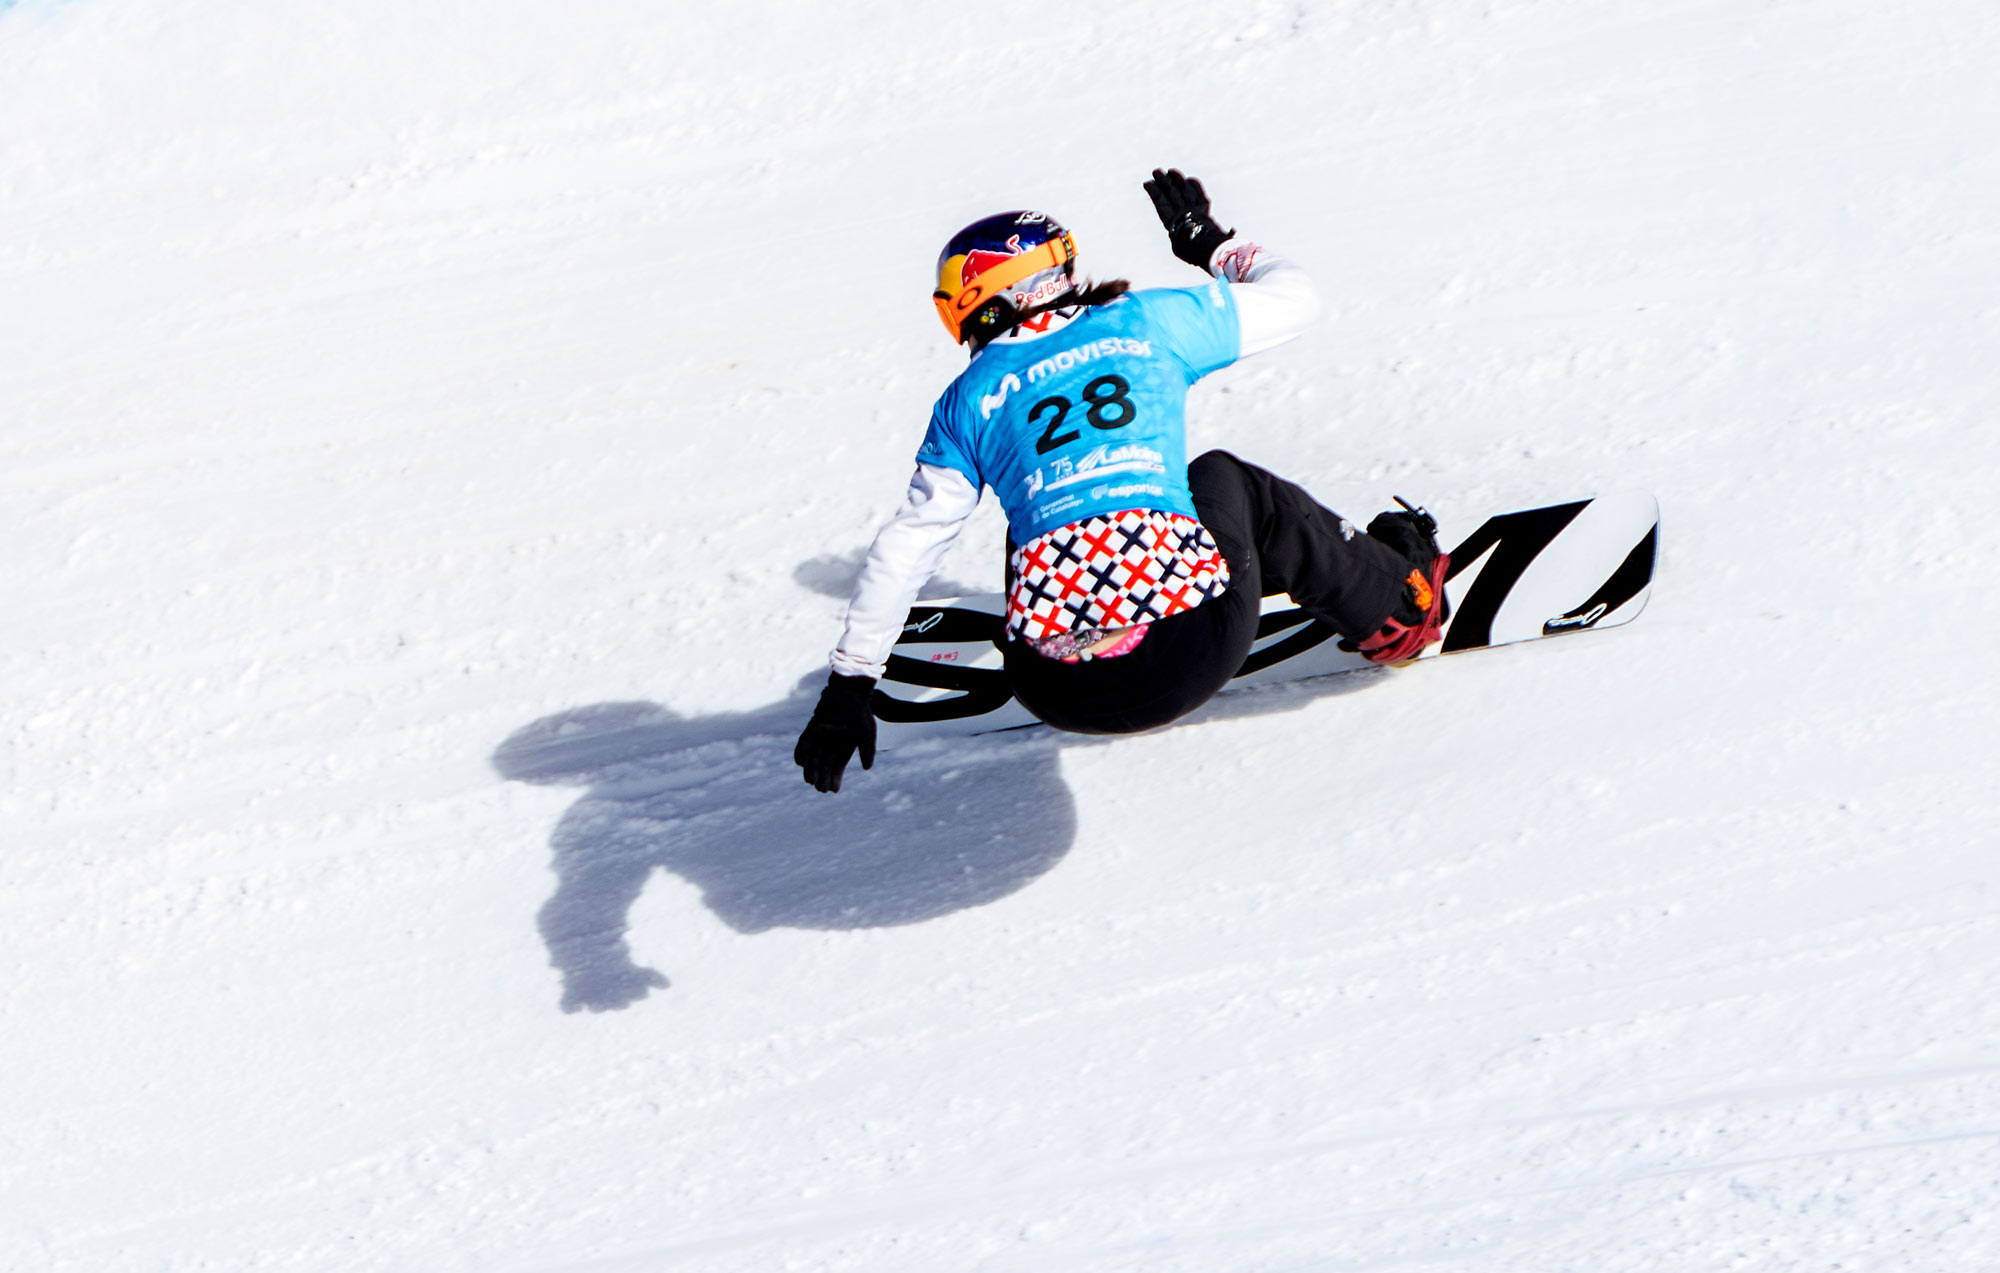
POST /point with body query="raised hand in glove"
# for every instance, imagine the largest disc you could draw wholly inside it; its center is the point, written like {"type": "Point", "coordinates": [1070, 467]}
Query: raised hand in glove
{"type": "Point", "coordinates": [842, 722]}
{"type": "Point", "coordinates": [1183, 209]}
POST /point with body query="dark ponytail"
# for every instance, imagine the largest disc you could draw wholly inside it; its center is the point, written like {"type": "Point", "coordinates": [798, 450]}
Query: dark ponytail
{"type": "Point", "coordinates": [1099, 293]}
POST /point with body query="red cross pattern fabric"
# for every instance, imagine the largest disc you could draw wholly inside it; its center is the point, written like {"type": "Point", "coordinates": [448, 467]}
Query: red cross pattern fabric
{"type": "Point", "coordinates": [1112, 572]}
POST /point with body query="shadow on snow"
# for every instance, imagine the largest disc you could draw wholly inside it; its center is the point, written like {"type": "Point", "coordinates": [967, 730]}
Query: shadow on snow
{"type": "Point", "coordinates": [717, 800]}
{"type": "Point", "coordinates": [934, 828]}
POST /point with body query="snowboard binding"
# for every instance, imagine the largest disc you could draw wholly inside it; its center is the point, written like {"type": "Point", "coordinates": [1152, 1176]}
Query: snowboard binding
{"type": "Point", "coordinates": [1418, 621]}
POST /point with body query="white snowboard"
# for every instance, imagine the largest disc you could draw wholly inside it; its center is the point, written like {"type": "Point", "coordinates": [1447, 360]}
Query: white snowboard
{"type": "Point", "coordinates": [1519, 576]}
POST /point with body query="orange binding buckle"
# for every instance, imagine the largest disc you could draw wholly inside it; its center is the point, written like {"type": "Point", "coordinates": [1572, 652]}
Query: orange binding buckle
{"type": "Point", "coordinates": [1422, 588]}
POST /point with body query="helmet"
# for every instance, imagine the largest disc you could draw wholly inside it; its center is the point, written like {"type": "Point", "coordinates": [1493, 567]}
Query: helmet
{"type": "Point", "coordinates": [995, 269]}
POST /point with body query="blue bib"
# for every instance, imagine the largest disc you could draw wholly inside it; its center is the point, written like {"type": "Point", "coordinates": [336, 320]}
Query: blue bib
{"type": "Point", "coordinates": [1090, 419]}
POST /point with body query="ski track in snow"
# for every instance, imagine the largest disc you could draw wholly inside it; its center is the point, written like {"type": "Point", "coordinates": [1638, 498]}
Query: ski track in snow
{"type": "Point", "coordinates": [434, 442]}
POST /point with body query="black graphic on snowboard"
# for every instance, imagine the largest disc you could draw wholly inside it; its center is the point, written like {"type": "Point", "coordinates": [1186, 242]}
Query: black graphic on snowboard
{"type": "Point", "coordinates": [1518, 576]}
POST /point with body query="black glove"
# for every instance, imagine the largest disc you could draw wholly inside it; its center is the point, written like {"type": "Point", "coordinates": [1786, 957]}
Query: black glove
{"type": "Point", "coordinates": [842, 722]}
{"type": "Point", "coordinates": [1183, 209]}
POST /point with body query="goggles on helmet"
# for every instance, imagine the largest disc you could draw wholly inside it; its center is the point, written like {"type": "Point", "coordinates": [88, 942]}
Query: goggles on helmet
{"type": "Point", "coordinates": [958, 298]}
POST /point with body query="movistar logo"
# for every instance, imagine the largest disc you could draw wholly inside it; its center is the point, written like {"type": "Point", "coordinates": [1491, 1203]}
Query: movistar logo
{"type": "Point", "coordinates": [1070, 359]}
{"type": "Point", "coordinates": [991, 402]}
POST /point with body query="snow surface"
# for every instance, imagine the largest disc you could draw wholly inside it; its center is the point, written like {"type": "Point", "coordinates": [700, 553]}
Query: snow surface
{"type": "Point", "coordinates": [436, 441]}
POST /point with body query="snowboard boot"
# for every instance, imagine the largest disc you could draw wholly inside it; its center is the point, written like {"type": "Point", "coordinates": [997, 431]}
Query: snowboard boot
{"type": "Point", "coordinates": [1418, 619]}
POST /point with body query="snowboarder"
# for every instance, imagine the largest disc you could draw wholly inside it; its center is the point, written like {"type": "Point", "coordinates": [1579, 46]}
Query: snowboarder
{"type": "Point", "coordinates": [1133, 576]}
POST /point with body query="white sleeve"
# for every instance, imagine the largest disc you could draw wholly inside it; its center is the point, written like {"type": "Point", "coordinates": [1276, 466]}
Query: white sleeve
{"type": "Point", "coordinates": [1275, 300]}
{"type": "Point", "coordinates": [905, 554]}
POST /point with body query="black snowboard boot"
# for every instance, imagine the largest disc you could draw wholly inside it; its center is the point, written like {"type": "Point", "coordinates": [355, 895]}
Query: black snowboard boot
{"type": "Point", "coordinates": [1418, 621]}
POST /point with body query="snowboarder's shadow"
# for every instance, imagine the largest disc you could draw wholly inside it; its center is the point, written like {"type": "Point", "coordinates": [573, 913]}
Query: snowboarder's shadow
{"type": "Point", "coordinates": [718, 801]}
{"type": "Point", "coordinates": [935, 828]}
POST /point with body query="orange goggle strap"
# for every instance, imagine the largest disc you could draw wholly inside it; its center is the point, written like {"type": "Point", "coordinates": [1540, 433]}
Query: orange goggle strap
{"type": "Point", "coordinates": [954, 310]}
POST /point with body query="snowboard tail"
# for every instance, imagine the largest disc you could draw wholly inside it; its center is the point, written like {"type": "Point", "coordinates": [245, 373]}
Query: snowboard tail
{"type": "Point", "coordinates": [1519, 576]}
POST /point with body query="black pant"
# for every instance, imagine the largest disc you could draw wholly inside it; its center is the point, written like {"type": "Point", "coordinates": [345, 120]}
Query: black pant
{"type": "Point", "coordinates": [1276, 538]}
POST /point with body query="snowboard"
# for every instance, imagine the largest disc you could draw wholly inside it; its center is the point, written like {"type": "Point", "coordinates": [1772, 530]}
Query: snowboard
{"type": "Point", "coordinates": [1527, 575]}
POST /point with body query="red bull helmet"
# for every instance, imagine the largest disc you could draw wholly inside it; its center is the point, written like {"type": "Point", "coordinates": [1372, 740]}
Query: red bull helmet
{"type": "Point", "coordinates": [1017, 259]}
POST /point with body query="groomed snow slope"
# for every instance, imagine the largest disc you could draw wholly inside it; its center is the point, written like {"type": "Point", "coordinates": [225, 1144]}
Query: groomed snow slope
{"type": "Point", "coordinates": [433, 442]}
